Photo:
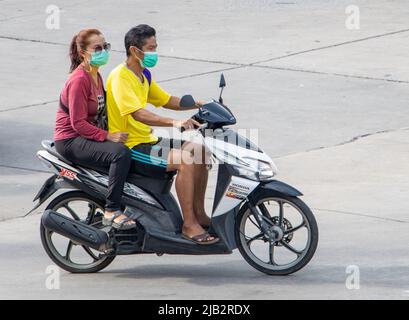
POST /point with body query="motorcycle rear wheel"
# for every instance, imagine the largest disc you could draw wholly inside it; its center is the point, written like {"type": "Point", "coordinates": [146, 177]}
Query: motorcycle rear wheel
{"type": "Point", "coordinates": [92, 217]}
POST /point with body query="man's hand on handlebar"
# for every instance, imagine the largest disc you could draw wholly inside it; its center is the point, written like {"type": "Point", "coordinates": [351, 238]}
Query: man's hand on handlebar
{"type": "Point", "coordinates": [187, 124]}
{"type": "Point", "coordinates": [200, 103]}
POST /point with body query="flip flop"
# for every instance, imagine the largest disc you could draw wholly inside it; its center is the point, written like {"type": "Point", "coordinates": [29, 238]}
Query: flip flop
{"type": "Point", "coordinates": [121, 225]}
{"type": "Point", "coordinates": [201, 239]}
{"type": "Point", "coordinates": [207, 229]}
{"type": "Point", "coordinates": [118, 225]}
{"type": "Point", "coordinates": [109, 221]}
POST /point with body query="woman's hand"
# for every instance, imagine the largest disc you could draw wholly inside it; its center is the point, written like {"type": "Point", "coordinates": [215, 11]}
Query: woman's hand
{"type": "Point", "coordinates": [117, 137]}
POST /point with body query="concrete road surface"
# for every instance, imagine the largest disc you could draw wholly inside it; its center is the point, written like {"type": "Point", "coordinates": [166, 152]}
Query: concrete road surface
{"type": "Point", "coordinates": [330, 104]}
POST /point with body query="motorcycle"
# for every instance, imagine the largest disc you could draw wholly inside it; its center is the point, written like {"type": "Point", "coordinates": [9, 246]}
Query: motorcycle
{"type": "Point", "coordinates": [265, 219]}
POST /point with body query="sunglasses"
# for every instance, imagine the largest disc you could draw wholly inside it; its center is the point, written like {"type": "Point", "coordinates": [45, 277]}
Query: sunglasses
{"type": "Point", "coordinates": [106, 46]}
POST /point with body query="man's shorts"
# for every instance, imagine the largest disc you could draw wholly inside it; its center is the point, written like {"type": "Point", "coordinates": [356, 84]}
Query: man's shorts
{"type": "Point", "coordinates": [151, 159]}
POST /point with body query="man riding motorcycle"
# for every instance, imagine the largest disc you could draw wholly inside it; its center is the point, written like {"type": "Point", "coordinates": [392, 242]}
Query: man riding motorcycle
{"type": "Point", "coordinates": [129, 88]}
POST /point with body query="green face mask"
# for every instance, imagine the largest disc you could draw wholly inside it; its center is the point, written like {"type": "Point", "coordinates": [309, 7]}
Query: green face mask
{"type": "Point", "coordinates": [99, 58]}
{"type": "Point", "coordinates": [150, 59]}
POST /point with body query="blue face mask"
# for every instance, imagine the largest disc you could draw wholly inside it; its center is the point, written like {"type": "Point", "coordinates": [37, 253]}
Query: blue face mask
{"type": "Point", "coordinates": [150, 59]}
{"type": "Point", "coordinates": [99, 58]}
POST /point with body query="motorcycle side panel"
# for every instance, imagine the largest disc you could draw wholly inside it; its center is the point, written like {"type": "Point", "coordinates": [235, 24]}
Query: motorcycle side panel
{"type": "Point", "coordinates": [223, 180]}
{"type": "Point", "coordinates": [174, 244]}
{"type": "Point", "coordinates": [235, 193]}
{"type": "Point", "coordinates": [45, 155]}
{"type": "Point", "coordinates": [162, 237]}
{"type": "Point", "coordinates": [153, 220]}
{"type": "Point", "coordinates": [232, 144]}
{"type": "Point", "coordinates": [223, 226]}
{"type": "Point", "coordinates": [101, 180]}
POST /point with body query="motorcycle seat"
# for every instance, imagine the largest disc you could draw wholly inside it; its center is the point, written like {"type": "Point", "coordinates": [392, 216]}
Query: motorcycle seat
{"type": "Point", "coordinates": [50, 147]}
{"type": "Point", "coordinates": [161, 184]}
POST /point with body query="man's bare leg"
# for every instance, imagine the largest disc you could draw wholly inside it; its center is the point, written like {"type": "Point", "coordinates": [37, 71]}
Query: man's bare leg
{"type": "Point", "coordinates": [182, 161]}
{"type": "Point", "coordinates": [201, 177]}
{"type": "Point", "coordinates": [200, 181]}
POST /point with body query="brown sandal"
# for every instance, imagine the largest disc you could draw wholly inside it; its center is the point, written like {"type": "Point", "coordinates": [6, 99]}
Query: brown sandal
{"type": "Point", "coordinates": [202, 239]}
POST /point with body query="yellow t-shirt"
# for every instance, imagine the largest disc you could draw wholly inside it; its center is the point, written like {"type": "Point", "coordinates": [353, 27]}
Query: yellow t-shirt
{"type": "Point", "coordinates": [125, 95]}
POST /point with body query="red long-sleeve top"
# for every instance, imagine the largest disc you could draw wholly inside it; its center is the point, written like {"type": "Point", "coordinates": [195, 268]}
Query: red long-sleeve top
{"type": "Point", "coordinates": [83, 98]}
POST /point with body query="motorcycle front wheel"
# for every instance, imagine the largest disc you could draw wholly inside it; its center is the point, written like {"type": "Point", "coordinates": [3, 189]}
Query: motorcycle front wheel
{"type": "Point", "coordinates": [293, 236]}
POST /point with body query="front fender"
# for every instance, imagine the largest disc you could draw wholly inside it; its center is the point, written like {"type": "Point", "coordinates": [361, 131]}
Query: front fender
{"type": "Point", "coordinates": [281, 187]}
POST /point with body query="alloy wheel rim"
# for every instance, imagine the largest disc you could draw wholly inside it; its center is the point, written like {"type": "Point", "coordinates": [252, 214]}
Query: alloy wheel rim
{"type": "Point", "coordinates": [282, 242]}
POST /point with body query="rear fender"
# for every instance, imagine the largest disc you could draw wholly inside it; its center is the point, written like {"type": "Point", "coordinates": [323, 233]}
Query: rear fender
{"type": "Point", "coordinates": [50, 186]}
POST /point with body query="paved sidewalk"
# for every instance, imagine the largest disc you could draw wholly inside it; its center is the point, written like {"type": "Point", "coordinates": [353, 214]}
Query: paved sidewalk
{"type": "Point", "coordinates": [363, 222]}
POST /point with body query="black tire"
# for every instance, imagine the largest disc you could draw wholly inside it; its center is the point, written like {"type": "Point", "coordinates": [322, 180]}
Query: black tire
{"type": "Point", "coordinates": [313, 234]}
{"type": "Point", "coordinates": [99, 265]}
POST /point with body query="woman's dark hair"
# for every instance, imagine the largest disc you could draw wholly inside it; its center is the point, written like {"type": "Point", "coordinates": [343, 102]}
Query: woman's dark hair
{"type": "Point", "coordinates": [78, 42]}
{"type": "Point", "coordinates": [137, 35]}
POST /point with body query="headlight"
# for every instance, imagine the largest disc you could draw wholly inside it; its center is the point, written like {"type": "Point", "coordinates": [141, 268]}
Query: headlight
{"type": "Point", "coordinates": [265, 170]}
{"type": "Point", "coordinates": [256, 169]}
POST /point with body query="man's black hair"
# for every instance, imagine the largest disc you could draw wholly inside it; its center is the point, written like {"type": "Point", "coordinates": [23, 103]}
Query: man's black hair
{"type": "Point", "coordinates": [137, 35]}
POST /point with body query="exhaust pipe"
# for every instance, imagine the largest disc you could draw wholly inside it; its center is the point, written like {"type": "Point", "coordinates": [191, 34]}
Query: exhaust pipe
{"type": "Point", "coordinates": [74, 230]}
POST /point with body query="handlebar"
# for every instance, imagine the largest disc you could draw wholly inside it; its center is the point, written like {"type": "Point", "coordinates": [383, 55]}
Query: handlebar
{"type": "Point", "coordinates": [199, 128]}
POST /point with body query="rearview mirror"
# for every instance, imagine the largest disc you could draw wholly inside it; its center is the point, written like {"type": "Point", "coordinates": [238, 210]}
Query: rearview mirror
{"type": "Point", "coordinates": [187, 101]}
{"type": "Point", "coordinates": [222, 83]}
